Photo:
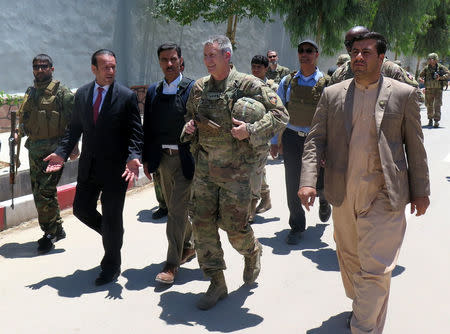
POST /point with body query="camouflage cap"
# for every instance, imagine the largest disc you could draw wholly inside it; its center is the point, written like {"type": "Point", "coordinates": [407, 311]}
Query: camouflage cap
{"type": "Point", "coordinates": [248, 110]}
{"type": "Point", "coordinates": [433, 56]}
{"type": "Point", "coordinates": [343, 58]}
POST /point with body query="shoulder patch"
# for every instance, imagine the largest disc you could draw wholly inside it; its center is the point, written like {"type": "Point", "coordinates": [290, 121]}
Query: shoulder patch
{"type": "Point", "coordinates": [273, 100]}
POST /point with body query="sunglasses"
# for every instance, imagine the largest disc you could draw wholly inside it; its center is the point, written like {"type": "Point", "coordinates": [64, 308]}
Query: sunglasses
{"type": "Point", "coordinates": [272, 56]}
{"type": "Point", "coordinates": [308, 50]}
{"type": "Point", "coordinates": [42, 67]}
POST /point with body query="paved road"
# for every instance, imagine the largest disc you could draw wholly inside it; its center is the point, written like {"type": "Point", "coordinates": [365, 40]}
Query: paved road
{"type": "Point", "coordinates": [299, 289]}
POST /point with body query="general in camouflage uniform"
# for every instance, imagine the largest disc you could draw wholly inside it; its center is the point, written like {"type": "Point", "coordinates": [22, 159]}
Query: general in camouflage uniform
{"type": "Point", "coordinates": [225, 152]}
{"type": "Point", "coordinates": [44, 116]}
{"type": "Point", "coordinates": [435, 76]}
{"type": "Point", "coordinates": [275, 72]}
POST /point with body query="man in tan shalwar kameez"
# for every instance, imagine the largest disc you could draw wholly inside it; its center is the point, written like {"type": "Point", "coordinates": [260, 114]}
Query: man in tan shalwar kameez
{"type": "Point", "coordinates": [368, 130]}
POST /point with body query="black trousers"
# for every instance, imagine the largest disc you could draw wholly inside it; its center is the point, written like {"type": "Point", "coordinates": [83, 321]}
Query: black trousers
{"type": "Point", "coordinates": [109, 224]}
{"type": "Point", "coordinates": [292, 154]}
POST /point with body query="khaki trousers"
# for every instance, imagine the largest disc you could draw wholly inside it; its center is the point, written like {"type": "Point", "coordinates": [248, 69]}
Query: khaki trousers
{"type": "Point", "coordinates": [176, 191]}
{"type": "Point", "coordinates": [433, 101]}
{"type": "Point", "coordinates": [367, 244]}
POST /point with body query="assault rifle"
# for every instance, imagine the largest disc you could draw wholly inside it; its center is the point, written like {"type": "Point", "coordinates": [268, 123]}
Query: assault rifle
{"type": "Point", "coordinates": [12, 155]}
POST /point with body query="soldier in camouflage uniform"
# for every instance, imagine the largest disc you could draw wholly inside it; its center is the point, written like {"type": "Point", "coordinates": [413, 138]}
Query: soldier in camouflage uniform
{"type": "Point", "coordinates": [260, 188]}
{"type": "Point", "coordinates": [388, 69]}
{"type": "Point", "coordinates": [275, 72]}
{"type": "Point", "coordinates": [435, 76]}
{"type": "Point", "coordinates": [43, 118]}
{"type": "Point", "coordinates": [224, 152]}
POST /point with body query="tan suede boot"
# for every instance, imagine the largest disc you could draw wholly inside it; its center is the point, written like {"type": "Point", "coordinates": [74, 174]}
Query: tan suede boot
{"type": "Point", "coordinates": [217, 290]}
{"type": "Point", "coordinates": [265, 203]}
{"type": "Point", "coordinates": [252, 210]}
{"type": "Point", "coordinates": [253, 265]}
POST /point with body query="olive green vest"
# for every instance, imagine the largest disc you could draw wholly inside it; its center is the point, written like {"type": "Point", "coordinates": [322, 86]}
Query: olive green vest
{"type": "Point", "coordinates": [430, 82]}
{"type": "Point", "coordinates": [302, 104]}
{"type": "Point", "coordinates": [45, 120]}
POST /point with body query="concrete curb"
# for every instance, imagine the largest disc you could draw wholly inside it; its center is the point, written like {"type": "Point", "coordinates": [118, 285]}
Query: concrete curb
{"type": "Point", "coordinates": [25, 210]}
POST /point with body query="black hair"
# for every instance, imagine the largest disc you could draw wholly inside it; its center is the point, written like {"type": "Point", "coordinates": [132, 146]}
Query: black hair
{"type": "Point", "coordinates": [379, 38]}
{"type": "Point", "coordinates": [259, 59]}
{"type": "Point", "coordinates": [43, 57]}
{"type": "Point", "coordinates": [169, 46]}
{"type": "Point", "coordinates": [101, 52]}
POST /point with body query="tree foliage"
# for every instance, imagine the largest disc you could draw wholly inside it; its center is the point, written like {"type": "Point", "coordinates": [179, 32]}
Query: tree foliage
{"type": "Point", "coordinates": [400, 21]}
{"type": "Point", "coordinates": [410, 26]}
{"type": "Point", "coordinates": [185, 12]}
{"type": "Point", "coordinates": [325, 20]}
{"type": "Point", "coordinates": [434, 35]}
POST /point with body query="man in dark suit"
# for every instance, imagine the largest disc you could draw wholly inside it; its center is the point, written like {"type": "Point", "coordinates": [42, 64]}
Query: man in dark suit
{"type": "Point", "coordinates": [165, 106]}
{"type": "Point", "coordinates": [107, 115]}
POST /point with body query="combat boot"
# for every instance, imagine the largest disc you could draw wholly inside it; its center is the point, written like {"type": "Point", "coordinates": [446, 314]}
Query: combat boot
{"type": "Point", "coordinates": [265, 203]}
{"type": "Point", "coordinates": [60, 233]}
{"type": "Point", "coordinates": [252, 210]}
{"type": "Point", "coordinates": [430, 122]}
{"type": "Point", "coordinates": [46, 243]}
{"type": "Point", "coordinates": [253, 265]}
{"type": "Point", "coordinates": [217, 290]}
{"type": "Point", "coordinates": [436, 124]}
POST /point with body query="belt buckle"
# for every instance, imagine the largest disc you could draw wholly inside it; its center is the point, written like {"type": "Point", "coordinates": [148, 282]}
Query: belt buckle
{"type": "Point", "coordinates": [171, 151]}
{"type": "Point", "coordinates": [302, 134]}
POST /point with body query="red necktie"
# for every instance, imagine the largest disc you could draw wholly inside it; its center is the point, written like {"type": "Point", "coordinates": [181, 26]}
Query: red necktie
{"type": "Point", "coordinates": [97, 103]}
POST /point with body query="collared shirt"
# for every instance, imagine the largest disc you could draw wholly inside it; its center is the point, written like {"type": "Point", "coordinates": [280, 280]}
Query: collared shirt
{"type": "Point", "coordinates": [171, 89]}
{"type": "Point", "coordinates": [309, 81]}
{"type": "Point", "coordinates": [94, 97]}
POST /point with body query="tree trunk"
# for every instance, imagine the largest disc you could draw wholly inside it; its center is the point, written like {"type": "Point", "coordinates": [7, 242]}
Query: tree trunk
{"type": "Point", "coordinates": [231, 29]}
{"type": "Point", "coordinates": [319, 28]}
{"type": "Point", "coordinates": [417, 67]}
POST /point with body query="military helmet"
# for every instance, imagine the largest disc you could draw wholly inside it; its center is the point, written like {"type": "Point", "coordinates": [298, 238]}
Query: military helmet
{"type": "Point", "coordinates": [343, 58]}
{"type": "Point", "coordinates": [248, 110]}
{"type": "Point", "coordinates": [433, 56]}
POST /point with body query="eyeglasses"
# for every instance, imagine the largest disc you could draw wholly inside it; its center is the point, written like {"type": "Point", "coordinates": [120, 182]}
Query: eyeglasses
{"type": "Point", "coordinates": [41, 66]}
{"type": "Point", "coordinates": [308, 50]}
{"type": "Point", "coordinates": [272, 56]}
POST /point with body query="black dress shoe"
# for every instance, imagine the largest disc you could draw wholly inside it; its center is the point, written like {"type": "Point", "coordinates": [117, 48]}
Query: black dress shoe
{"type": "Point", "coordinates": [324, 211]}
{"type": "Point", "coordinates": [293, 237]}
{"type": "Point", "coordinates": [160, 213]}
{"type": "Point", "coordinates": [107, 277]}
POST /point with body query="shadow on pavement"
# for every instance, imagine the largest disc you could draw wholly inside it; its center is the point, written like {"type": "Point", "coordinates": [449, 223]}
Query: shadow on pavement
{"type": "Point", "coordinates": [145, 216]}
{"type": "Point", "coordinates": [15, 250]}
{"type": "Point", "coordinates": [337, 324]}
{"type": "Point", "coordinates": [79, 283]}
{"type": "Point", "coordinates": [325, 259]}
{"type": "Point", "coordinates": [139, 279]}
{"type": "Point", "coordinates": [262, 220]}
{"type": "Point", "coordinates": [274, 161]}
{"type": "Point", "coordinates": [311, 239]}
{"type": "Point", "coordinates": [398, 270]}
{"type": "Point", "coordinates": [227, 316]}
